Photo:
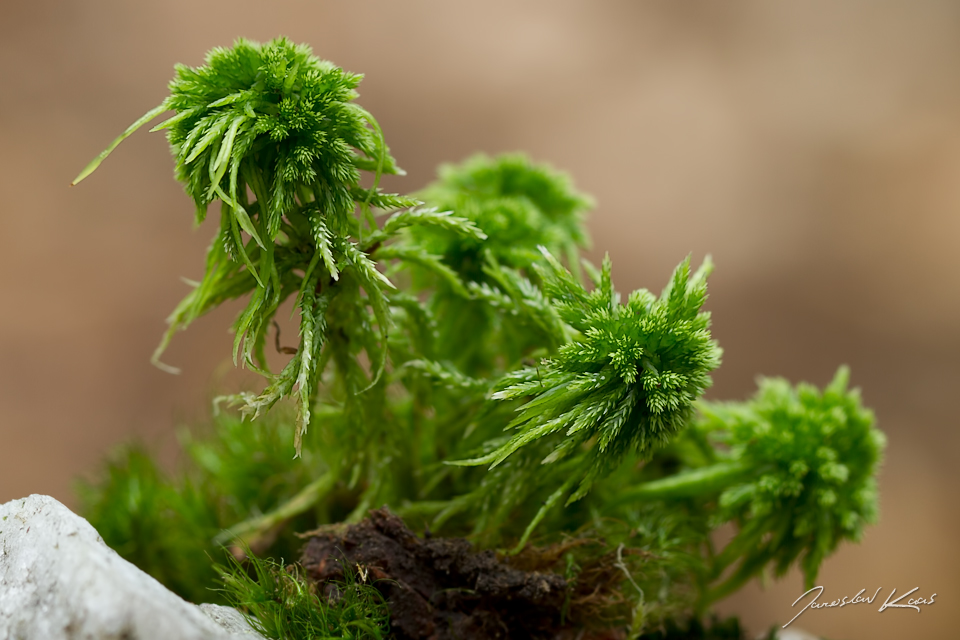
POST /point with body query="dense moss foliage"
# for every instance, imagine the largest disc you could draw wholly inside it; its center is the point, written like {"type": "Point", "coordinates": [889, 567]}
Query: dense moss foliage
{"type": "Point", "coordinates": [460, 363]}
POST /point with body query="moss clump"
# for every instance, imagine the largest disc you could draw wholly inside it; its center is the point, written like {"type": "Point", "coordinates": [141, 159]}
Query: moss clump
{"type": "Point", "coordinates": [281, 604]}
{"type": "Point", "coordinates": [458, 362]}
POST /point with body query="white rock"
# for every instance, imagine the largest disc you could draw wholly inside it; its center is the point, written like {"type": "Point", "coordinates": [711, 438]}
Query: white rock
{"type": "Point", "coordinates": [231, 620]}
{"type": "Point", "coordinates": [60, 581]}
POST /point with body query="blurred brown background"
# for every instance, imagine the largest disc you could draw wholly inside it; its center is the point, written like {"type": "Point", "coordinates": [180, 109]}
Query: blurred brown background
{"type": "Point", "coordinates": [812, 148]}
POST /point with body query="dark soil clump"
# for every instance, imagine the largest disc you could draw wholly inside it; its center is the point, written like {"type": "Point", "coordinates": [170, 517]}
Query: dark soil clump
{"type": "Point", "coordinates": [443, 589]}
{"type": "Point", "coordinates": [438, 588]}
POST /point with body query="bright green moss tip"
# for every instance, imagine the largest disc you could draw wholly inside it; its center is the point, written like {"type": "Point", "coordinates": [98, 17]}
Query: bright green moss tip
{"type": "Point", "coordinates": [519, 204]}
{"type": "Point", "coordinates": [279, 111]}
{"type": "Point", "coordinates": [627, 380]}
{"type": "Point", "coordinates": [814, 457]}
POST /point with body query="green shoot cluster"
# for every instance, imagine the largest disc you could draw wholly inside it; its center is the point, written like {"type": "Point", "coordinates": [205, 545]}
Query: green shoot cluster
{"type": "Point", "coordinates": [812, 458]}
{"type": "Point", "coordinates": [519, 204]}
{"type": "Point", "coordinates": [273, 134]}
{"type": "Point", "coordinates": [230, 470]}
{"type": "Point", "coordinates": [280, 604]}
{"type": "Point", "coordinates": [628, 381]}
{"type": "Point", "coordinates": [459, 362]}
{"type": "Point", "coordinates": [794, 468]}
{"type": "Point", "coordinates": [623, 385]}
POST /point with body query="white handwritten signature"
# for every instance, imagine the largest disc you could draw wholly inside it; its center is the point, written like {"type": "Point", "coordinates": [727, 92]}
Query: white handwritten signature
{"type": "Point", "coordinates": [912, 603]}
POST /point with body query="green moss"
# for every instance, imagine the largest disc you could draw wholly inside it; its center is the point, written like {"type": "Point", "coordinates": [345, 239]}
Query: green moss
{"type": "Point", "coordinates": [154, 524]}
{"type": "Point", "coordinates": [167, 523]}
{"type": "Point", "coordinates": [451, 366]}
{"type": "Point", "coordinates": [280, 604]}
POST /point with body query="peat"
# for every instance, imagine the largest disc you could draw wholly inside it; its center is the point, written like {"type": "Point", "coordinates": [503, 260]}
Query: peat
{"type": "Point", "coordinates": [437, 588]}
{"type": "Point", "coordinates": [443, 589]}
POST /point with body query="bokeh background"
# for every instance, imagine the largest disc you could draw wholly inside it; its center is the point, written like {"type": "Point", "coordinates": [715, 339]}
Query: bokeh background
{"type": "Point", "coordinates": [813, 148]}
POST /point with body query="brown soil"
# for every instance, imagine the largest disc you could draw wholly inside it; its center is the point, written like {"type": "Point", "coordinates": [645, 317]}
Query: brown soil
{"type": "Point", "coordinates": [442, 589]}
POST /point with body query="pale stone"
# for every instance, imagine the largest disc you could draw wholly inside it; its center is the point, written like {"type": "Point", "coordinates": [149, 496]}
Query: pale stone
{"type": "Point", "coordinates": [60, 581]}
{"type": "Point", "coordinates": [230, 619]}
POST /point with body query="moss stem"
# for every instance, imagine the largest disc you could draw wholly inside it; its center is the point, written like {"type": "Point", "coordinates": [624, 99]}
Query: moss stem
{"type": "Point", "coordinates": [696, 482]}
{"type": "Point", "coordinates": [249, 531]}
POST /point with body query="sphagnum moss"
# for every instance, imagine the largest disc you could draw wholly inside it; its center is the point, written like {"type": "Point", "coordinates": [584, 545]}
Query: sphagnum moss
{"type": "Point", "coordinates": [452, 367]}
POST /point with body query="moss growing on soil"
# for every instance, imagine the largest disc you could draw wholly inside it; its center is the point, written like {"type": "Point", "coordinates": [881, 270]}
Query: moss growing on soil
{"type": "Point", "coordinates": [459, 363]}
{"type": "Point", "coordinates": [281, 604]}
